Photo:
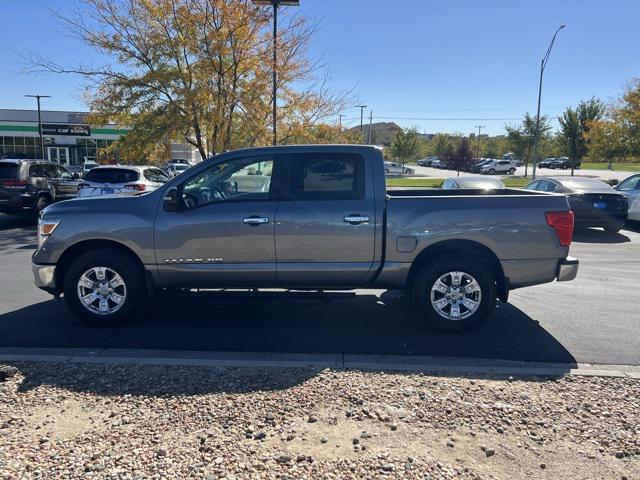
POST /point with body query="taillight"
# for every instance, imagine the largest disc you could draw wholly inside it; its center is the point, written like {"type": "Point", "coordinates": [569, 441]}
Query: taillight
{"type": "Point", "coordinates": [83, 185]}
{"type": "Point", "coordinates": [136, 186]}
{"type": "Point", "coordinates": [14, 183]}
{"type": "Point", "coordinates": [562, 223]}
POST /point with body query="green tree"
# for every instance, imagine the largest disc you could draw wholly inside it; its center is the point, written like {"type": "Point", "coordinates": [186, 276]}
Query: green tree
{"type": "Point", "coordinates": [406, 144]}
{"type": "Point", "coordinates": [439, 144]}
{"type": "Point", "coordinates": [574, 126]}
{"type": "Point", "coordinates": [521, 137]}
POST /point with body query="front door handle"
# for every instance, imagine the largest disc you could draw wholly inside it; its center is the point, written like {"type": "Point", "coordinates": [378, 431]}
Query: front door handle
{"type": "Point", "coordinates": [255, 220]}
{"type": "Point", "coordinates": [356, 219]}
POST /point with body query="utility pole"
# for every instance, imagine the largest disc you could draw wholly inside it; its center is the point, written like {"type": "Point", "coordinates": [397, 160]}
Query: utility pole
{"type": "Point", "coordinates": [479, 127]}
{"type": "Point", "coordinates": [370, 125]}
{"type": "Point", "coordinates": [340, 121]}
{"type": "Point", "coordinates": [361, 107]}
{"type": "Point", "coordinates": [38, 97]}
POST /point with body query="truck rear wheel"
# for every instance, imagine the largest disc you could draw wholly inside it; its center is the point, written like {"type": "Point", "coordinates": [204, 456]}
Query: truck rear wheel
{"type": "Point", "coordinates": [104, 288]}
{"type": "Point", "coordinates": [454, 293]}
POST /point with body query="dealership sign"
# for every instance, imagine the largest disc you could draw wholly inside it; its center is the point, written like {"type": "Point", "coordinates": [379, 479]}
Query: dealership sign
{"type": "Point", "coordinates": [66, 129]}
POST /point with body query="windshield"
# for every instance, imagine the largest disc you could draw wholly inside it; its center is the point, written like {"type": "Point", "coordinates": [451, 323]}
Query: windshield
{"type": "Point", "coordinates": [180, 167]}
{"type": "Point", "coordinates": [112, 175]}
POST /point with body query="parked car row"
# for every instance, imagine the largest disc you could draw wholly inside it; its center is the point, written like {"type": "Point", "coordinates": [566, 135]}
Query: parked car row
{"type": "Point", "coordinates": [29, 186]}
{"type": "Point", "coordinates": [560, 162]}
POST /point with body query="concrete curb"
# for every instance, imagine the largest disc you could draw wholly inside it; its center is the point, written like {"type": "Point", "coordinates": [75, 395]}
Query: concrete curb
{"type": "Point", "coordinates": [399, 363]}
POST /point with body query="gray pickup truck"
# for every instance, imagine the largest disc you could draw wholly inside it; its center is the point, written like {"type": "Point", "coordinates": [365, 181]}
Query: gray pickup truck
{"type": "Point", "coordinates": [303, 217]}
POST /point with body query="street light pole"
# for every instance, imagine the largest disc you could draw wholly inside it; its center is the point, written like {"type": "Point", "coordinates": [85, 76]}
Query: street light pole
{"type": "Point", "coordinates": [536, 138]}
{"type": "Point", "coordinates": [275, 4]}
{"type": "Point", "coordinates": [479, 127]}
{"type": "Point", "coordinates": [38, 97]}
{"type": "Point", "coordinates": [340, 121]}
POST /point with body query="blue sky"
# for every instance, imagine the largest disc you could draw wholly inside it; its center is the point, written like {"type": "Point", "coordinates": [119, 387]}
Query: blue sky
{"type": "Point", "coordinates": [438, 65]}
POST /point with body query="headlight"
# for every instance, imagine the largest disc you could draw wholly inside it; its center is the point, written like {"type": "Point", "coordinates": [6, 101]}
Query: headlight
{"type": "Point", "coordinates": [45, 229]}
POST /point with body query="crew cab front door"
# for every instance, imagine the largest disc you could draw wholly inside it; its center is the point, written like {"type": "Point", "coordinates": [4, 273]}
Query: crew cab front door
{"type": "Point", "coordinates": [325, 223]}
{"type": "Point", "coordinates": [223, 232]}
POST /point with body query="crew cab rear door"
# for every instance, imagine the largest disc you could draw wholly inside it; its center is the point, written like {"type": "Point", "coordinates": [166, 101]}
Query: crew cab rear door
{"type": "Point", "coordinates": [325, 223]}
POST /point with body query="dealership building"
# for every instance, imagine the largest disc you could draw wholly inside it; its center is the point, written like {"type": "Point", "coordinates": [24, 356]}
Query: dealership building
{"type": "Point", "coordinates": [68, 138]}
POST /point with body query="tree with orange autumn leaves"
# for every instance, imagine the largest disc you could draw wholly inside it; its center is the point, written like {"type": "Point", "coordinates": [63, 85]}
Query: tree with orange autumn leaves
{"type": "Point", "coordinates": [199, 72]}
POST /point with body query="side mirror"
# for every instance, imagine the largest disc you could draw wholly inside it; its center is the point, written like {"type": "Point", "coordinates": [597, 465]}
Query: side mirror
{"type": "Point", "coordinates": [172, 200]}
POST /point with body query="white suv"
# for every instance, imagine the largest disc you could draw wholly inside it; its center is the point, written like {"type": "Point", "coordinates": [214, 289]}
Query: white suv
{"type": "Point", "coordinates": [499, 166]}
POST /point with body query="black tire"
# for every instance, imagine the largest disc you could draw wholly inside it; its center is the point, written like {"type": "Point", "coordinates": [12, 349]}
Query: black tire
{"type": "Point", "coordinates": [42, 202]}
{"type": "Point", "coordinates": [492, 171]}
{"type": "Point", "coordinates": [512, 171]}
{"type": "Point", "coordinates": [430, 273]}
{"type": "Point", "coordinates": [386, 171]}
{"type": "Point", "coordinates": [132, 274]}
{"type": "Point", "coordinates": [613, 228]}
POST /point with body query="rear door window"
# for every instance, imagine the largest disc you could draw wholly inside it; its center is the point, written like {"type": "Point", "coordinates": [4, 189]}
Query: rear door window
{"type": "Point", "coordinates": [8, 170]}
{"type": "Point", "coordinates": [38, 170]}
{"type": "Point", "coordinates": [112, 175]}
{"type": "Point", "coordinates": [326, 176]}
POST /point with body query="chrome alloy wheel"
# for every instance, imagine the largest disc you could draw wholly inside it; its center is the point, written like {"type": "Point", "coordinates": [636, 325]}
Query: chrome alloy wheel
{"type": "Point", "coordinates": [456, 295]}
{"type": "Point", "coordinates": [102, 290]}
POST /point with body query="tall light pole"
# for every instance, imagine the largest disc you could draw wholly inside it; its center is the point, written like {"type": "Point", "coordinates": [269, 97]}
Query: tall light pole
{"type": "Point", "coordinates": [479, 127]}
{"type": "Point", "coordinates": [340, 121]}
{"type": "Point", "coordinates": [543, 64]}
{"type": "Point", "coordinates": [275, 4]}
{"type": "Point", "coordinates": [38, 97]}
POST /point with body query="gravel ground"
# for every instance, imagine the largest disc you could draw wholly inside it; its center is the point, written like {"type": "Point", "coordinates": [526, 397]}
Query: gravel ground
{"type": "Point", "coordinates": [113, 421]}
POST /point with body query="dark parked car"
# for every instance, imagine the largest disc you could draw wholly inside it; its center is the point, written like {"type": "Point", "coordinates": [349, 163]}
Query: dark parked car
{"type": "Point", "coordinates": [561, 163]}
{"type": "Point", "coordinates": [28, 186]}
{"type": "Point", "coordinates": [593, 202]}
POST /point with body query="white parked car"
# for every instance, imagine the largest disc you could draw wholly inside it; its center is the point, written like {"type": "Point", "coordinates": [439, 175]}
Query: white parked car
{"type": "Point", "coordinates": [110, 179]}
{"type": "Point", "coordinates": [175, 169]}
{"type": "Point", "coordinates": [87, 166]}
{"type": "Point", "coordinates": [631, 189]}
{"type": "Point", "coordinates": [397, 168]}
{"type": "Point", "coordinates": [499, 166]}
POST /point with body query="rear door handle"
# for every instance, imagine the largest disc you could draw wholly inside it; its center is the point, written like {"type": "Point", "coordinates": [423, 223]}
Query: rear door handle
{"type": "Point", "coordinates": [255, 220]}
{"type": "Point", "coordinates": [356, 219]}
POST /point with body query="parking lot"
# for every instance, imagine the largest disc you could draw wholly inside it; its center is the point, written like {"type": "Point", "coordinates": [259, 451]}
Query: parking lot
{"type": "Point", "coordinates": [592, 319]}
{"type": "Point", "coordinates": [540, 172]}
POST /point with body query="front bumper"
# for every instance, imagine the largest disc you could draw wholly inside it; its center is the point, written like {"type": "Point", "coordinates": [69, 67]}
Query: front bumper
{"type": "Point", "coordinates": [567, 269]}
{"type": "Point", "coordinates": [44, 277]}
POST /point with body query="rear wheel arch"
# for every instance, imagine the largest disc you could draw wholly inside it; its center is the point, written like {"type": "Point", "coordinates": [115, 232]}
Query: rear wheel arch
{"type": "Point", "coordinates": [462, 247]}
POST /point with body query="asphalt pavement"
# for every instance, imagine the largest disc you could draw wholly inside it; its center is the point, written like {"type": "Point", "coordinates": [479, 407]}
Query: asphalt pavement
{"type": "Point", "coordinates": [594, 319]}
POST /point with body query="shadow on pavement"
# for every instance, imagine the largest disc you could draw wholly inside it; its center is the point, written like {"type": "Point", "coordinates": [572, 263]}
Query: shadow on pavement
{"type": "Point", "coordinates": [363, 324]}
{"type": "Point", "coordinates": [593, 235]}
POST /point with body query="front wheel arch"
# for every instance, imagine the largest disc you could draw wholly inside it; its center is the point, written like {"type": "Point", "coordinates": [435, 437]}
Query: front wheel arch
{"type": "Point", "coordinates": [79, 248]}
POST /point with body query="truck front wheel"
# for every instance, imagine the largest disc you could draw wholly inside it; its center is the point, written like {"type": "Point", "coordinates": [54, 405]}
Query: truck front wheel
{"type": "Point", "coordinates": [104, 288]}
{"type": "Point", "coordinates": [454, 293]}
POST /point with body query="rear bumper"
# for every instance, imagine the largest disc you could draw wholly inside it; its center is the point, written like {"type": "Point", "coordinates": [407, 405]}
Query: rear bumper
{"type": "Point", "coordinates": [44, 277]}
{"type": "Point", "coordinates": [567, 269]}
{"type": "Point", "coordinates": [17, 203]}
